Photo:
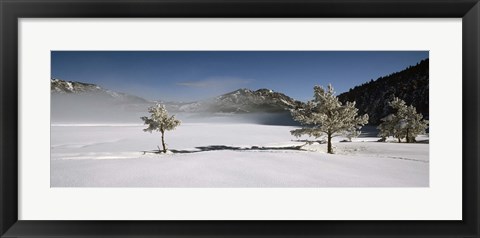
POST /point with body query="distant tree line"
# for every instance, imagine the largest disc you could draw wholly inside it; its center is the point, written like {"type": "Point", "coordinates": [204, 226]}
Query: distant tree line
{"type": "Point", "coordinates": [409, 85]}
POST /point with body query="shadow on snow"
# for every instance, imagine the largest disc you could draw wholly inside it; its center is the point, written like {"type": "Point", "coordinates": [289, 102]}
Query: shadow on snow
{"type": "Point", "coordinates": [199, 149]}
{"type": "Point", "coordinates": [225, 147]}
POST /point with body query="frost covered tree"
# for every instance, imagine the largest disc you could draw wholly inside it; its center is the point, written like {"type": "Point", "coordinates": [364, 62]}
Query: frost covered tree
{"type": "Point", "coordinates": [159, 120]}
{"type": "Point", "coordinates": [353, 133]}
{"type": "Point", "coordinates": [326, 116]}
{"type": "Point", "coordinates": [404, 123]}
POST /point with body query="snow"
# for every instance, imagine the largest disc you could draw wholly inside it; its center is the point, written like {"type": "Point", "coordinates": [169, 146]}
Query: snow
{"type": "Point", "coordinates": [227, 155]}
{"type": "Point", "coordinates": [285, 102]}
{"type": "Point", "coordinates": [112, 93]}
{"type": "Point", "coordinates": [69, 86]}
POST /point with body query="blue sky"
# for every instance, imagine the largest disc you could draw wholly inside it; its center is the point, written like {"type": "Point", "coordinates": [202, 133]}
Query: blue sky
{"type": "Point", "coordinates": [194, 75]}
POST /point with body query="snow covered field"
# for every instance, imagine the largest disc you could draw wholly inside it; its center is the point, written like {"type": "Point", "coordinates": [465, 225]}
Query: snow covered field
{"type": "Point", "coordinates": [227, 155]}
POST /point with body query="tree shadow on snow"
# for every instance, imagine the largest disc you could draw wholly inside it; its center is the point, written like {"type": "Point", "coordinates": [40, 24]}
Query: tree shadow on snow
{"type": "Point", "coordinates": [312, 141]}
{"type": "Point", "coordinates": [226, 147]}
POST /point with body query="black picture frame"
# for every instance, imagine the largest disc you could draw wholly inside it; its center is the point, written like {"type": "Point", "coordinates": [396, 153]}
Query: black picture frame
{"type": "Point", "coordinates": [12, 10]}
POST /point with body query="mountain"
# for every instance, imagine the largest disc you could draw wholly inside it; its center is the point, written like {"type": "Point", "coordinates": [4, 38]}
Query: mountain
{"type": "Point", "coordinates": [261, 106]}
{"type": "Point", "coordinates": [240, 101]}
{"type": "Point", "coordinates": [249, 101]}
{"type": "Point", "coordinates": [77, 101]}
{"type": "Point", "coordinates": [410, 85]}
{"type": "Point", "coordinates": [62, 87]}
{"type": "Point", "coordinates": [83, 102]}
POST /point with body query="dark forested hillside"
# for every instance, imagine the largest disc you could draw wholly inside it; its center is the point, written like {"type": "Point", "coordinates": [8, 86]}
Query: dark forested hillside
{"type": "Point", "coordinates": [411, 85]}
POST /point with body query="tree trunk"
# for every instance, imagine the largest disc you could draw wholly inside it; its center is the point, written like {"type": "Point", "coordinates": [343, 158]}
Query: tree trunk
{"type": "Point", "coordinates": [408, 137]}
{"type": "Point", "coordinates": [163, 143]}
{"type": "Point", "coordinates": [329, 143]}
{"type": "Point", "coordinates": [399, 140]}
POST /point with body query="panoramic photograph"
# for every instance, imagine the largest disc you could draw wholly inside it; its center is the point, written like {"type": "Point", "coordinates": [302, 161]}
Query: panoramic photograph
{"type": "Point", "coordinates": [239, 119]}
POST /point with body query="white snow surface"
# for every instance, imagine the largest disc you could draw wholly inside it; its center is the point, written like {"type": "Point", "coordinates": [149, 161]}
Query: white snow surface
{"type": "Point", "coordinates": [234, 155]}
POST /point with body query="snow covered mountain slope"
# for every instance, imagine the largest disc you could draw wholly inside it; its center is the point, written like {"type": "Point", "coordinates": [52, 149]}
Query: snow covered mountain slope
{"type": "Point", "coordinates": [84, 102]}
{"type": "Point", "coordinates": [58, 86]}
{"type": "Point", "coordinates": [244, 101]}
{"type": "Point", "coordinates": [262, 100]}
